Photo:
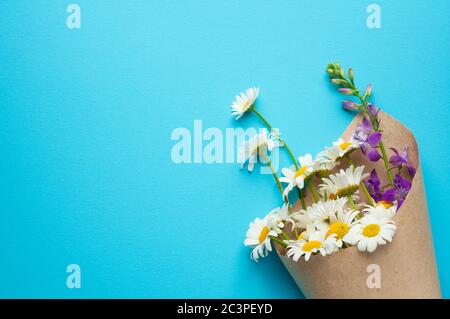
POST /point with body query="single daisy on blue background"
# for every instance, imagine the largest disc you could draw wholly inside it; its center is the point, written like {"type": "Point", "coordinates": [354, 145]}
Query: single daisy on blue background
{"type": "Point", "coordinates": [244, 102]}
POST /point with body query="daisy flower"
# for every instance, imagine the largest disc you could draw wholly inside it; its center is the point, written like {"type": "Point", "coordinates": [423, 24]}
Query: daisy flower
{"type": "Point", "coordinates": [375, 228]}
{"type": "Point", "coordinates": [278, 218]}
{"type": "Point", "coordinates": [294, 177]}
{"type": "Point", "coordinates": [344, 183]}
{"type": "Point", "coordinates": [257, 146]}
{"type": "Point", "coordinates": [339, 149]}
{"type": "Point", "coordinates": [323, 166]}
{"type": "Point", "coordinates": [322, 211]}
{"type": "Point", "coordinates": [341, 222]}
{"type": "Point", "coordinates": [258, 237]}
{"type": "Point", "coordinates": [381, 210]}
{"type": "Point", "coordinates": [244, 102]}
{"type": "Point", "coordinates": [313, 241]}
{"type": "Point", "coordinates": [302, 219]}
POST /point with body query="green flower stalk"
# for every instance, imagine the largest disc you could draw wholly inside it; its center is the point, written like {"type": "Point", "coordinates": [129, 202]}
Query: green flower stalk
{"type": "Point", "coordinates": [347, 86]}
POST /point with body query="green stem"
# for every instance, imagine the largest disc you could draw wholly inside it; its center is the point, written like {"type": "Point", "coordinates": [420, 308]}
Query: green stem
{"type": "Point", "coordinates": [283, 233]}
{"type": "Point", "coordinates": [275, 175]}
{"type": "Point", "coordinates": [366, 192]}
{"type": "Point", "coordinates": [302, 198]}
{"type": "Point", "coordinates": [382, 148]}
{"type": "Point", "coordinates": [386, 163]}
{"type": "Point", "coordinates": [288, 149]}
{"type": "Point", "coordinates": [313, 192]}
{"type": "Point", "coordinates": [278, 241]}
{"type": "Point", "coordinates": [352, 203]}
{"type": "Point", "coordinates": [362, 185]}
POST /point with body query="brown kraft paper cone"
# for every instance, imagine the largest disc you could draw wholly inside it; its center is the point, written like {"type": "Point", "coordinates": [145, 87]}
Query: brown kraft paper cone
{"type": "Point", "coordinates": [407, 265]}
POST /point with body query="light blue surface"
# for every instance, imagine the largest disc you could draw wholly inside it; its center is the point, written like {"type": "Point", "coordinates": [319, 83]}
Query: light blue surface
{"type": "Point", "coordinates": [86, 116]}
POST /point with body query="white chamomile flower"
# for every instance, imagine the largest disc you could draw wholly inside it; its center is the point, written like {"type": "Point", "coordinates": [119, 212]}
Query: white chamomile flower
{"type": "Point", "coordinates": [381, 211]}
{"type": "Point", "coordinates": [278, 218]}
{"type": "Point", "coordinates": [302, 219]}
{"type": "Point", "coordinates": [344, 183]}
{"type": "Point", "coordinates": [323, 166]}
{"type": "Point", "coordinates": [341, 222]}
{"type": "Point", "coordinates": [307, 164]}
{"type": "Point", "coordinates": [339, 149]}
{"type": "Point", "coordinates": [257, 146]}
{"type": "Point", "coordinates": [244, 102]}
{"type": "Point", "coordinates": [296, 177]}
{"type": "Point", "coordinates": [312, 241]}
{"type": "Point", "coordinates": [374, 229]}
{"type": "Point", "coordinates": [258, 237]}
{"type": "Point", "coordinates": [322, 210]}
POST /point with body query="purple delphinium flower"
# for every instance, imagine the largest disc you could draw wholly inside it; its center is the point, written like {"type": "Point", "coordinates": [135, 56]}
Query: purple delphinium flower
{"type": "Point", "coordinates": [373, 186]}
{"type": "Point", "coordinates": [389, 195]}
{"type": "Point", "coordinates": [397, 193]}
{"type": "Point", "coordinates": [373, 109]}
{"type": "Point", "coordinates": [402, 159]}
{"type": "Point", "coordinates": [368, 139]}
{"type": "Point", "coordinates": [402, 187]}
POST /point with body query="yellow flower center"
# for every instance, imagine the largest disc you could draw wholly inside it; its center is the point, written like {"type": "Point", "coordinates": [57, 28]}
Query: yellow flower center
{"type": "Point", "coordinates": [371, 230]}
{"type": "Point", "coordinates": [246, 105]}
{"type": "Point", "coordinates": [344, 145]}
{"type": "Point", "coordinates": [301, 171]}
{"type": "Point", "coordinates": [263, 234]}
{"type": "Point", "coordinates": [309, 246]}
{"type": "Point", "coordinates": [386, 204]}
{"type": "Point", "coordinates": [338, 228]}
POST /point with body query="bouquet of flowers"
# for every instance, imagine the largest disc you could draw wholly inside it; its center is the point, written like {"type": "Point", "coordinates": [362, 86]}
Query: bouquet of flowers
{"type": "Point", "coordinates": [357, 205]}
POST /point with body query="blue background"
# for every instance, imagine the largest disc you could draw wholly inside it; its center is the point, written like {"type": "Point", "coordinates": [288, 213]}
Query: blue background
{"type": "Point", "coordinates": [86, 116]}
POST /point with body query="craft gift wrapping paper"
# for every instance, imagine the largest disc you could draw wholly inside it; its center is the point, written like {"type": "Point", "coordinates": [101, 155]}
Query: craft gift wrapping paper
{"type": "Point", "coordinates": [407, 265]}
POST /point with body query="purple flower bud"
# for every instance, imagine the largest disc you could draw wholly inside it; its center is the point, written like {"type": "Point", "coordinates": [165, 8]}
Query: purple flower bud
{"type": "Point", "coordinates": [373, 109]}
{"type": "Point", "coordinates": [349, 105]}
{"type": "Point", "coordinates": [411, 170]}
{"type": "Point", "coordinates": [373, 155]}
{"type": "Point", "coordinates": [345, 91]}
{"type": "Point", "coordinates": [368, 91]}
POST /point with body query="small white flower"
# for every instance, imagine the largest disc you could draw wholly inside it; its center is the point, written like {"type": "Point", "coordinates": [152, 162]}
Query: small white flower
{"type": "Point", "coordinates": [258, 237]}
{"type": "Point", "coordinates": [339, 149]}
{"type": "Point", "coordinates": [381, 211]}
{"type": "Point", "coordinates": [344, 183]}
{"type": "Point", "coordinates": [374, 229]}
{"type": "Point", "coordinates": [307, 163]}
{"type": "Point", "coordinates": [278, 218]}
{"type": "Point", "coordinates": [296, 177]}
{"type": "Point", "coordinates": [302, 219]}
{"type": "Point", "coordinates": [311, 242]}
{"type": "Point", "coordinates": [341, 223]}
{"type": "Point", "coordinates": [257, 146]}
{"type": "Point", "coordinates": [324, 166]}
{"type": "Point", "coordinates": [244, 102]}
{"type": "Point", "coordinates": [322, 211]}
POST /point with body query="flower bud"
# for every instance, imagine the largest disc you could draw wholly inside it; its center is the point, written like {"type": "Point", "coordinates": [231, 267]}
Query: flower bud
{"type": "Point", "coordinates": [334, 70]}
{"type": "Point", "coordinates": [339, 81]}
{"type": "Point", "coordinates": [350, 74]}
{"type": "Point", "coordinates": [349, 105]}
{"type": "Point", "coordinates": [368, 91]}
{"type": "Point", "coordinates": [346, 91]}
